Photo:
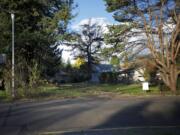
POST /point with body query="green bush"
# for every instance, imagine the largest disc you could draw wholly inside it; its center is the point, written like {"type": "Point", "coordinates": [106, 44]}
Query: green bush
{"type": "Point", "coordinates": [108, 77]}
{"type": "Point", "coordinates": [79, 77]}
{"type": "Point", "coordinates": [34, 76]}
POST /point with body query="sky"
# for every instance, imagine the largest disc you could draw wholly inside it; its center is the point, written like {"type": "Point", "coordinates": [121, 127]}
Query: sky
{"type": "Point", "coordinates": [91, 9]}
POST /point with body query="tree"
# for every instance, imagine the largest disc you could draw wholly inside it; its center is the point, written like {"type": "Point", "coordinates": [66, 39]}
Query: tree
{"type": "Point", "coordinates": [148, 68]}
{"type": "Point", "coordinates": [122, 40]}
{"type": "Point", "coordinates": [130, 13]}
{"type": "Point", "coordinates": [165, 52]}
{"type": "Point", "coordinates": [79, 62]}
{"type": "Point", "coordinates": [122, 36]}
{"type": "Point", "coordinates": [68, 66]}
{"type": "Point", "coordinates": [88, 42]}
{"type": "Point", "coordinates": [37, 26]}
{"type": "Point", "coordinates": [130, 10]}
{"type": "Point", "coordinates": [115, 61]}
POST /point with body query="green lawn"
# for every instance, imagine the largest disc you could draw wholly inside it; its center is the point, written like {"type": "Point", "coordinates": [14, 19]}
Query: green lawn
{"type": "Point", "coordinates": [3, 96]}
{"type": "Point", "coordinates": [84, 89]}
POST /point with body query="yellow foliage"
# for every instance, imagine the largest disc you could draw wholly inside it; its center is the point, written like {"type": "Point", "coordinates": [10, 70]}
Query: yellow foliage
{"type": "Point", "coordinates": [79, 62]}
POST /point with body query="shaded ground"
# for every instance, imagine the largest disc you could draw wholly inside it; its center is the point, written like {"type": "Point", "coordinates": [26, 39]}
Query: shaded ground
{"type": "Point", "coordinates": [93, 116]}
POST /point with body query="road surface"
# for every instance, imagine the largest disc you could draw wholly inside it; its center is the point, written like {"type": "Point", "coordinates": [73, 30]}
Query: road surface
{"type": "Point", "coordinates": [92, 116]}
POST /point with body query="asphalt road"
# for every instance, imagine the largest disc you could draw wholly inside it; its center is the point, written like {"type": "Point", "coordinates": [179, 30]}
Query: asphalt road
{"type": "Point", "coordinates": [92, 116]}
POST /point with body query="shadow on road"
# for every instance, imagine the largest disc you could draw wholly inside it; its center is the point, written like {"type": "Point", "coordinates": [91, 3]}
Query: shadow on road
{"type": "Point", "coordinates": [94, 117]}
{"type": "Point", "coordinates": [145, 118]}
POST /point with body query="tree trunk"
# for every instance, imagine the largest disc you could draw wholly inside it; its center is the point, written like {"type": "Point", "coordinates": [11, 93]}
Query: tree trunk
{"type": "Point", "coordinates": [173, 82]}
{"type": "Point", "coordinates": [89, 61]}
{"type": "Point", "coordinates": [170, 78]}
{"type": "Point", "coordinates": [173, 87]}
{"type": "Point", "coordinates": [174, 77]}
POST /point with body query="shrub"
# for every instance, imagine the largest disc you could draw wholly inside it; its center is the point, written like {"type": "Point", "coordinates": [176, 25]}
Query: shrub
{"type": "Point", "coordinates": [79, 77]}
{"type": "Point", "coordinates": [108, 77]}
{"type": "Point", "coordinates": [34, 76]}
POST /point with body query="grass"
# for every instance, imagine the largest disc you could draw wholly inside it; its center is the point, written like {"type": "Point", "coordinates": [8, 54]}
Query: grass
{"type": "Point", "coordinates": [3, 96]}
{"type": "Point", "coordinates": [82, 89]}
{"type": "Point", "coordinates": [85, 89]}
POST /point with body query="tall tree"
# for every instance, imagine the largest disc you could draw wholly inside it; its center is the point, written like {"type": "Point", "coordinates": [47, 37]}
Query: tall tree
{"type": "Point", "coordinates": [129, 36]}
{"type": "Point", "coordinates": [37, 25]}
{"type": "Point", "coordinates": [165, 51]}
{"type": "Point", "coordinates": [122, 40]}
{"type": "Point", "coordinates": [130, 10]}
{"type": "Point", "coordinates": [154, 16]}
{"type": "Point", "coordinates": [88, 42]}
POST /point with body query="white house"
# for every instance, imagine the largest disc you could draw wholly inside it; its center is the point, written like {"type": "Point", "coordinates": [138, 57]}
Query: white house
{"type": "Point", "coordinates": [138, 75]}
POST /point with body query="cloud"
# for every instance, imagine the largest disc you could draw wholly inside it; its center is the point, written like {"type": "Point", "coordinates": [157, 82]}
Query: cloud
{"type": "Point", "coordinates": [103, 22]}
{"type": "Point", "coordinates": [67, 53]}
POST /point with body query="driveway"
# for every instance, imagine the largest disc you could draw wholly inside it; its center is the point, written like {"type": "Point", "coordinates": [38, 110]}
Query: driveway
{"type": "Point", "coordinates": [93, 116]}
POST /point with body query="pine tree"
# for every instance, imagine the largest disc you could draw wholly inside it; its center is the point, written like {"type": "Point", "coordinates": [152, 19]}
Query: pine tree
{"type": "Point", "coordinates": [38, 23]}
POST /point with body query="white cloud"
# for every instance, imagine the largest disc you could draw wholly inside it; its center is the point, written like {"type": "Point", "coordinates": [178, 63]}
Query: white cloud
{"type": "Point", "coordinates": [100, 21]}
{"type": "Point", "coordinates": [67, 53]}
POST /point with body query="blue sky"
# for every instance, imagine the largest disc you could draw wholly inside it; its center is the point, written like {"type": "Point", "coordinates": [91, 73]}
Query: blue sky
{"type": "Point", "coordinates": [91, 9]}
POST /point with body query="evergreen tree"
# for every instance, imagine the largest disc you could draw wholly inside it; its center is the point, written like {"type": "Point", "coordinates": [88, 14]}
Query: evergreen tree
{"type": "Point", "coordinates": [131, 10]}
{"type": "Point", "coordinates": [115, 61]}
{"type": "Point", "coordinates": [117, 41]}
{"type": "Point", "coordinates": [38, 24]}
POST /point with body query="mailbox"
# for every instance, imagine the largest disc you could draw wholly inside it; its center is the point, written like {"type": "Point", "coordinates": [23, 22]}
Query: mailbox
{"type": "Point", "coordinates": [145, 86]}
{"type": "Point", "coordinates": [2, 58]}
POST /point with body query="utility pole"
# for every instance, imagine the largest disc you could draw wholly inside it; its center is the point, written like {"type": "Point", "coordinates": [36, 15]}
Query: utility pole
{"type": "Point", "coordinates": [13, 82]}
{"type": "Point", "coordinates": [13, 93]}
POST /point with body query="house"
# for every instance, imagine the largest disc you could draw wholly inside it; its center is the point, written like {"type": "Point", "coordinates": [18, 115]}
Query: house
{"type": "Point", "coordinates": [62, 77]}
{"type": "Point", "coordinates": [139, 75]}
{"type": "Point", "coordinates": [99, 69]}
{"type": "Point", "coordinates": [125, 75]}
{"type": "Point", "coordinates": [135, 74]}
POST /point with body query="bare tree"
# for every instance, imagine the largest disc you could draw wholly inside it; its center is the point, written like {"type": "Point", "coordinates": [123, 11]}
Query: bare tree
{"type": "Point", "coordinates": [164, 50]}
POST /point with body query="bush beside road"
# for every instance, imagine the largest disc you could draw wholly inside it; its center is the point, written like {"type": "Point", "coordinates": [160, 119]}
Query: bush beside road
{"type": "Point", "coordinates": [85, 89]}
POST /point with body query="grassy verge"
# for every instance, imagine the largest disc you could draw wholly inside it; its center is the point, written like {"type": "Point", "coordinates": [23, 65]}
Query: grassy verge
{"type": "Point", "coordinates": [84, 89]}
{"type": "Point", "coordinates": [79, 90]}
{"type": "Point", "coordinates": [4, 96]}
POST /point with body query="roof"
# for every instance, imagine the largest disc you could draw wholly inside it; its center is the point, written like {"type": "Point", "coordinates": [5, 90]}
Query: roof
{"type": "Point", "coordinates": [103, 68]}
